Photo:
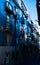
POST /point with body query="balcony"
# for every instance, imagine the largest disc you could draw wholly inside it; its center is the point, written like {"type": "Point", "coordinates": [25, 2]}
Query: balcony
{"type": "Point", "coordinates": [8, 7]}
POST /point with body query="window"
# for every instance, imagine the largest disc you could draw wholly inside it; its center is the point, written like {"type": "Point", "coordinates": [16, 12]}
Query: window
{"type": "Point", "coordinates": [6, 4]}
{"type": "Point", "coordinates": [9, 6]}
{"type": "Point", "coordinates": [39, 4]}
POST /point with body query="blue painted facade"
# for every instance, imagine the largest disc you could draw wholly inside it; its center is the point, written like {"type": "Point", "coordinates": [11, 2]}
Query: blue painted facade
{"type": "Point", "coordinates": [23, 26]}
{"type": "Point", "coordinates": [12, 21]}
{"type": "Point", "coordinates": [2, 24]}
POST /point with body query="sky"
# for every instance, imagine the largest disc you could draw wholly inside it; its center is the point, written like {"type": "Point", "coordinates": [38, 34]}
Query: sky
{"type": "Point", "coordinates": [32, 10]}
